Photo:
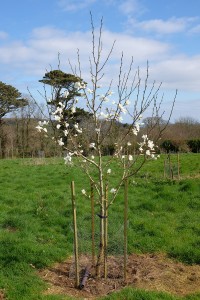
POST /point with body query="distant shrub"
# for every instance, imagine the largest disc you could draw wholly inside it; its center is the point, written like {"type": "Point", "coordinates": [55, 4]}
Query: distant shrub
{"type": "Point", "coordinates": [169, 146]}
{"type": "Point", "coordinates": [194, 145]}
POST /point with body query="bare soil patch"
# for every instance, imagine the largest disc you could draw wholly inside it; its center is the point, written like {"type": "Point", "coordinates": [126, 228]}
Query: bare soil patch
{"type": "Point", "coordinates": [2, 295]}
{"type": "Point", "coordinates": [147, 271]}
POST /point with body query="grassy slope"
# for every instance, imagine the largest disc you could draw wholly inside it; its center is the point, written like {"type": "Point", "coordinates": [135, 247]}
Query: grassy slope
{"type": "Point", "coordinates": [35, 219]}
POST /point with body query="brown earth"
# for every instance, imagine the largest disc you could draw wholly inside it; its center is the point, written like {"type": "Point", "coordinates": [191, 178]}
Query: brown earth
{"type": "Point", "coordinates": [1, 295]}
{"type": "Point", "coordinates": [153, 272]}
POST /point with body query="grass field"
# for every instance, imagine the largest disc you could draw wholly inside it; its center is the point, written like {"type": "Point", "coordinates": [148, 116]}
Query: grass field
{"type": "Point", "coordinates": [35, 220]}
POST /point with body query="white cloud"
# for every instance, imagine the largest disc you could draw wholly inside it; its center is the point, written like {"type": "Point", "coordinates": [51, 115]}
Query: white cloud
{"type": "Point", "coordinates": [181, 72]}
{"type": "Point", "coordinates": [141, 49]}
{"type": "Point", "coordinates": [187, 109]}
{"type": "Point", "coordinates": [172, 25]}
{"type": "Point", "coordinates": [129, 6]}
{"type": "Point", "coordinates": [74, 5]}
{"type": "Point", "coordinates": [45, 43]}
{"type": "Point", "coordinates": [31, 58]}
{"type": "Point", "coordinates": [195, 29]}
{"type": "Point", "coordinates": [3, 35]}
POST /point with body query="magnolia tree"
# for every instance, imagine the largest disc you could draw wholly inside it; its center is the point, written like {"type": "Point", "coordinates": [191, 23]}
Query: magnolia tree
{"type": "Point", "coordinates": [107, 106]}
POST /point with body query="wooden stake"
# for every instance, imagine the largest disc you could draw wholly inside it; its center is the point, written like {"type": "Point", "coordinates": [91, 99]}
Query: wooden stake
{"type": "Point", "coordinates": [92, 221]}
{"type": "Point", "coordinates": [75, 235]}
{"type": "Point", "coordinates": [125, 226]}
{"type": "Point", "coordinates": [178, 166]}
{"type": "Point", "coordinates": [106, 232]}
{"type": "Point", "coordinates": [164, 168]}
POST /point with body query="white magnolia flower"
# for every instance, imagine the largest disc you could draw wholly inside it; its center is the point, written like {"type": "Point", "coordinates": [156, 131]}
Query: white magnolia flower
{"type": "Point", "coordinates": [39, 128]}
{"type": "Point", "coordinates": [137, 126]}
{"type": "Point", "coordinates": [66, 132]}
{"type": "Point", "coordinates": [130, 157]}
{"type": "Point", "coordinates": [61, 105]}
{"type": "Point", "coordinates": [83, 192]}
{"type": "Point", "coordinates": [66, 124]}
{"type": "Point", "coordinates": [134, 130]}
{"type": "Point", "coordinates": [66, 94]}
{"type": "Point", "coordinates": [79, 130]}
{"type": "Point", "coordinates": [73, 109]}
{"type": "Point", "coordinates": [92, 157]}
{"type": "Point", "coordinates": [58, 110]}
{"type": "Point", "coordinates": [60, 142]}
{"type": "Point", "coordinates": [90, 91]}
{"type": "Point", "coordinates": [68, 159]}
{"type": "Point", "coordinates": [40, 123]}
{"type": "Point", "coordinates": [128, 144]}
{"type": "Point", "coordinates": [44, 129]}
{"type": "Point", "coordinates": [58, 126]}
{"type": "Point", "coordinates": [122, 108]}
{"type": "Point", "coordinates": [57, 118]}
{"type": "Point", "coordinates": [92, 145]}
{"type": "Point", "coordinates": [150, 144]}
{"type": "Point", "coordinates": [97, 130]}
{"type": "Point", "coordinates": [108, 171]}
{"type": "Point", "coordinates": [77, 85]}
{"type": "Point", "coordinates": [148, 153]}
{"type": "Point", "coordinates": [144, 137]}
{"type": "Point", "coordinates": [113, 191]}
{"type": "Point", "coordinates": [123, 156]}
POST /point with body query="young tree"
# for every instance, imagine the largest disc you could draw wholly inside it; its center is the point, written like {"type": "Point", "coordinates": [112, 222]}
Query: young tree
{"type": "Point", "coordinates": [107, 106]}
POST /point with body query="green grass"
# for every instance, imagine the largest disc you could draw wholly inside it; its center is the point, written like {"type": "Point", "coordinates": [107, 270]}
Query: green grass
{"type": "Point", "coordinates": [35, 220]}
{"type": "Point", "coordinates": [135, 294]}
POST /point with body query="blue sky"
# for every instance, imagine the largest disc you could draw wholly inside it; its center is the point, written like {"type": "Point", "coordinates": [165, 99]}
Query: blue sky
{"type": "Point", "coordinates": [166, 33]}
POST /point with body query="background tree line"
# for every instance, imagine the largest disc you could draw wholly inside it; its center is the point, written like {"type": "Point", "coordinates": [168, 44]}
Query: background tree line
{"type": "Point", "coordinates": [19, 117]}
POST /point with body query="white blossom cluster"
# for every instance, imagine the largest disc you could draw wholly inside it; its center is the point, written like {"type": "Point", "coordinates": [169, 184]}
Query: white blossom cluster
{"type": "Point", "coordinates": [42, 126]}
{"type": "Point", "coordinates": [147, 147]}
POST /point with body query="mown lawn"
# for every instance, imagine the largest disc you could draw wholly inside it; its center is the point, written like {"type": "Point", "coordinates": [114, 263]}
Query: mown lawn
{"type": "Point", "coordinates": [35, 220]}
